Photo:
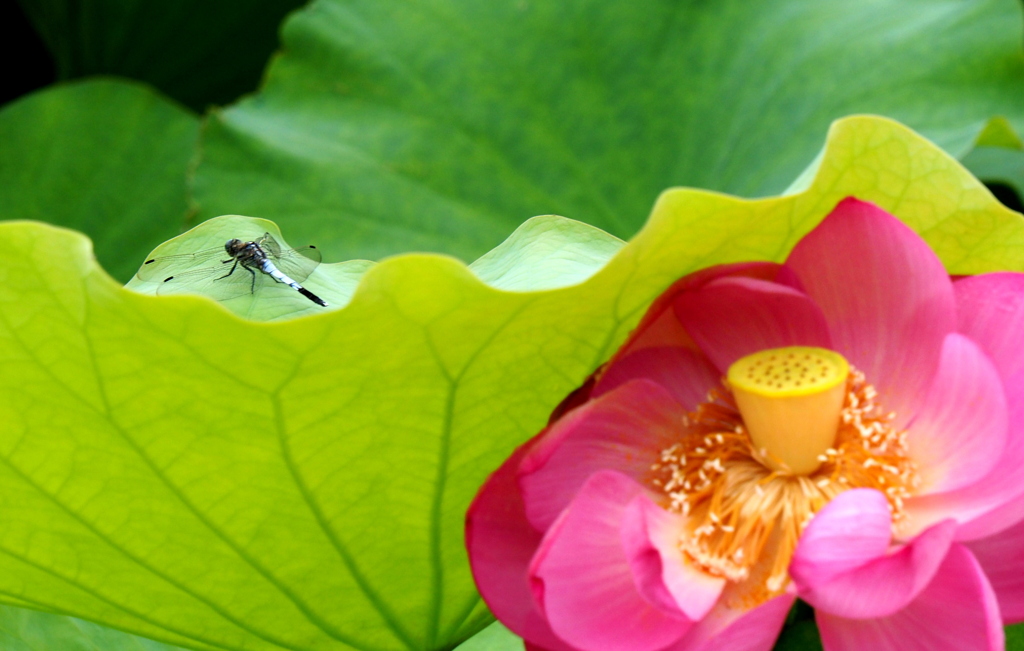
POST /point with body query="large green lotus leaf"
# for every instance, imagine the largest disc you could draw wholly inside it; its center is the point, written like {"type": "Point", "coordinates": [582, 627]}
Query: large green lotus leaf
{"type": "Point", "coordinates": [30, 630]}
{"type": "Point", "coordinates": [105, 157]}
{"type": "Point", "coordinates": [388, 126]}
{"type": "Point", "coordinates": [200, 52]}
{"type": "Point", "coordinates": [172, 470]}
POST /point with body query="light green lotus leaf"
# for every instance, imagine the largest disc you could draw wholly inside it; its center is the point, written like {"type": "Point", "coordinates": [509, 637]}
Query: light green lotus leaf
{"type": "Point", "coordinates": [177, 472]}
{"type": "Point", "coordinates": [388, 126]}
{"type": "Point", "coordinates": [546, 252]}
{"type": "Point", "coordinates": [335, 283]}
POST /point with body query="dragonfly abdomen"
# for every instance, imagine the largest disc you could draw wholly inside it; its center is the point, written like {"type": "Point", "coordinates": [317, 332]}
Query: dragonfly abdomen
{"type": "Point", "coordinates": [271, 270]}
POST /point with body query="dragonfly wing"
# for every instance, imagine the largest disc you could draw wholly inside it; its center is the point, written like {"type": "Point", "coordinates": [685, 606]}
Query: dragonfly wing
{"type": "Point", "coordinates": [298, 263]}
{"type": "Point", "coordinates": [270, 245]}
{"type": "Point", "coordinates": [219, 283]}
{"type": "Point", "coordinates": [159, 268]}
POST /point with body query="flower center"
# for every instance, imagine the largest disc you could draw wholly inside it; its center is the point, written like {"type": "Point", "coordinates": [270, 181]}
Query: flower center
{"type": "Point", "coordinates": [790, 400]}
{"type": "Point", "coordinates": [747, 497]}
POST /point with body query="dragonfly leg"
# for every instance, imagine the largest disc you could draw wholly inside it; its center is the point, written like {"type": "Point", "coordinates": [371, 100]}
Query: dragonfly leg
{"type": "Point", "coordinates": [252, 290]}
{"type": "Point", "coordinates": [232, 269]}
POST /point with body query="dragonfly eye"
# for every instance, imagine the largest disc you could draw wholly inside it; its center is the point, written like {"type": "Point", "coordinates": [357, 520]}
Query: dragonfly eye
{"type": "Point", "coordinates": [233, 245]}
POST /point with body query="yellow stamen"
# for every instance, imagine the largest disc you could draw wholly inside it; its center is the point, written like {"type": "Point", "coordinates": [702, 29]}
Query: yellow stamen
{"type": "Point", "coordinates": [790, 400]}
{"type": "Point", "coordinates": [743, 517]}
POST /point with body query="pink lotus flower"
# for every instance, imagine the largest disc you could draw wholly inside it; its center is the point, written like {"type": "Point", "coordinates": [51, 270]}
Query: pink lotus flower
{"type": "Point", "coordinates": [864, 452]}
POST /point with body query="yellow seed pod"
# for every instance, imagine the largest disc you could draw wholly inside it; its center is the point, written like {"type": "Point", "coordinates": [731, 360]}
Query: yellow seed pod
{"type": "Point", "coordinates": [790, 400]}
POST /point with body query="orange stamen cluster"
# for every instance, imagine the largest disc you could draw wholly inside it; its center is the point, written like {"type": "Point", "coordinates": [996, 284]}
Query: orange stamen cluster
{"type": "Point", "coordinates": [743, 518]}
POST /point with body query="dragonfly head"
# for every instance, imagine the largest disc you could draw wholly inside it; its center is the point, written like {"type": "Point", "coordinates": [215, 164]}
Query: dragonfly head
{"type": "Point", "coordinates": [234, 246]}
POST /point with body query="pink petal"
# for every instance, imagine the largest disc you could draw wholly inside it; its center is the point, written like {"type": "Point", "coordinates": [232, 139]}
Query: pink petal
{"type": "Point", "coordinates": [886, 296]}
{"type": "Point", "coordinates": [582, 579]}
{"type": "Point", "coordinates": [731, 629]}
{"type": "Point", "coordinates": [663, 574]}
{"type": "Point", "coordinates": [960, 432]}
{"type": "Point", "coordinates": [991, 504]}
{"type": "Point", "coordinates": [622, 430]}
{"type": "Point", "coordinates": [841, 565]}
{"type": "Point", "coordinates": [659, 327]}
{"type": "Point", "coordinates": [990, 310]}
{"type": "Point", "coordinates": [733, 317]}
{"type": "Point", "coordinates": [660, 349]}
{"type": "Point", "coordinates": [956, 611]}
{"type": "Point", "coordinates": [1002, 557]}
{"type": "Point", "coordinates": [685, 373]}
{"type": "Point", "coordinates": [501, 544]}
{"type": "Point", "coordinates": [852, 530]}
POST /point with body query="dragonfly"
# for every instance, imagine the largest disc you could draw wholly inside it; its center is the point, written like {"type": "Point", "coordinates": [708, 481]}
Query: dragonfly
{"type": "Point", "coordinates": [251, 264]}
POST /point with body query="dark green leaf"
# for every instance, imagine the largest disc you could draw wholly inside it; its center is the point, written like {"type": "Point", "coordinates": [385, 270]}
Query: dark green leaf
{"type": "Point", "coordinates": [1000, 165]}
{"type": "Point", "coordinates": [388, 126]}
{"type": "Point", "coordinates": [998, 160]}
{"type": "Point", "coordinates": [800, 636]}
{"type": "Point", "coordinates": [199, 52]}
{"type": "Point", "coordinates": [30, 630]}
{"type": "Point", "coordinates": [105, 157]}
{"type": "Point", "coordinates": [1015, 637]}
{"type": "Point", "coordinates": [803, 636]}
{"type": "Point", "coordinates": [493, 638]}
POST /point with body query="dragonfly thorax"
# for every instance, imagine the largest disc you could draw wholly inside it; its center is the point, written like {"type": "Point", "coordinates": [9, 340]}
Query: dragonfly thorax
{"type": "Point", "coordinates": [245, 252]}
